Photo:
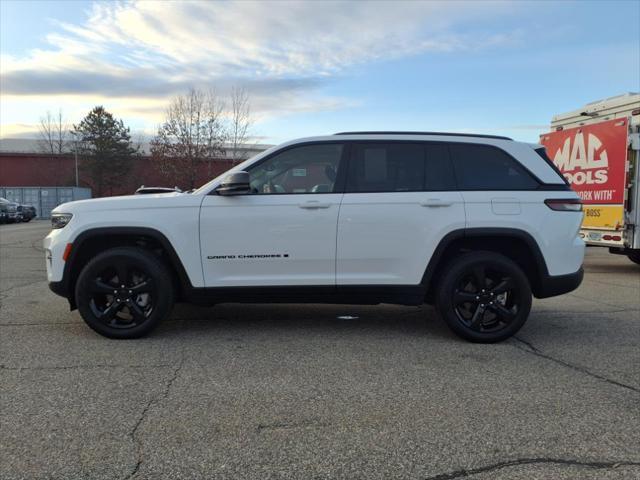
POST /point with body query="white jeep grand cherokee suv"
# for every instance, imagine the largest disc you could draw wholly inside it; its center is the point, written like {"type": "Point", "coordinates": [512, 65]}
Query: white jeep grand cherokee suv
{"type": "Point", "coordinates": [475, 224]}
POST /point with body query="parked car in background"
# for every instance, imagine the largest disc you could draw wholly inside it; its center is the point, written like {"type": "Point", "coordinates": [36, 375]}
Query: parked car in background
{"type": "Point", "coordinates": [146, 190]}
{"type": "Point", "coordinates": [4, 210]}
{"type": "Point", "coordinates": [12, 213]}
{"type": "Point", "coordinates": [28, 212]}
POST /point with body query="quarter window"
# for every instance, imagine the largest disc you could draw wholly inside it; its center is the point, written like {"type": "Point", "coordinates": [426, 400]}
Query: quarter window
{"type": "Point", "coordinates": [304, 169]}
{"type": "Point", "coordinates": [483, 167]}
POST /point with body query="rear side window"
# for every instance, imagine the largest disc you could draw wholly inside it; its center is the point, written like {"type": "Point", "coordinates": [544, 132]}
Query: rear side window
{"type": "Point", "coordinates": [400, 167]}
{"type": "Point", "coordinates": [439, 174]}
{"type": "Point", "coordinates": [379, 167]}
{"type": "Point", "coordinates": [483, 167]}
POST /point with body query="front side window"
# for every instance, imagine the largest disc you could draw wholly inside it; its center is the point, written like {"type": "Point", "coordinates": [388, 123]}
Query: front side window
{"type": "Point", "coordinates": [484, 167]}
{"type": "Point", "coordinates": [303, 169]}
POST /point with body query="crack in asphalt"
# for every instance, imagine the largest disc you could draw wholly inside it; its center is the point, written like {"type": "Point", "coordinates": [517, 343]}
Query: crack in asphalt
{"type": "Point", "coordinates": [287, 426]}
{"type": "Point", "coordinates": [17, 243]}
{"type": "Point", "coordinates": [3, 292]}
{"type": "Point", "coordinates": [621, 285]}
{"type": "Point", "coordinates": [39, 248]}
{"type": "Point", "coordinates": [38, 324]}
{"type": "Point", "coordinates": [531, 349]}
{"type": "Point", "coordinates": [601, 302]}
{"type": "Point", "coordinates": [564, 313]}
{"type": "Point", "coordinates": [85, 367]}
{"type": "Point", "coordinates": [531, 461]}
{"type": "Point", "coordinates": [143, 415]}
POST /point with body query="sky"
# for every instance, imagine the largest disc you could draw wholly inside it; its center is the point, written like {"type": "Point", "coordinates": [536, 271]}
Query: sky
{"type": "Point", "coordinates": [319, 67]}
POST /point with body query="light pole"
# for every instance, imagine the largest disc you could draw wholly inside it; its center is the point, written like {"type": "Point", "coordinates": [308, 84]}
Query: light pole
{"type": "Point", "coordinates": [75, 151]}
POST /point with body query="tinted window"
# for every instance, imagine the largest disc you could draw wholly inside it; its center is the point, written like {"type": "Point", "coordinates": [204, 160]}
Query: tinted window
{"type": "Point", "coordinates": [304, 169]}
{"type": "Point", "coordinates": [400, 167]}
{"type": "Point", "coordinates": [439, 170]}
{"type": "Point", "coordinates": [482, 167]}
{"type": "Point", "coordinates": [543, 153]}
{"type": "Point", "coordinates": [379, 167]}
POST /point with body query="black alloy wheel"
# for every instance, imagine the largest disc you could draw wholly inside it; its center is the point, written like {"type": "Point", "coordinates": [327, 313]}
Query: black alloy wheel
{"type": "Point", "coordinates": [484, 297]}
{"type": "Point", "coordinates": [124, 292]}
{"type": "Point", "coordinates": [122, 295]}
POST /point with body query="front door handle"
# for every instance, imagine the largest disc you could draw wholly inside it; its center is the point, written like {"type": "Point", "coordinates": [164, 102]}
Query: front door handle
{"type": "Point", "coordinates": [436, 202]}
{"type": "Point", "coordinates": [314, 204]}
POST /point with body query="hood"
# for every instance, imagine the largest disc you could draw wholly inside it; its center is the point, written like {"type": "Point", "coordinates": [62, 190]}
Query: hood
{"type": "Point", "coordinates": [128, 202]}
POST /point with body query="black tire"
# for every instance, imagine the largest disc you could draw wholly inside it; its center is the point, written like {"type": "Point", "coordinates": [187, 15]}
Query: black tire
{"type": "Point", "coordinates": [634, 256]}
{"type": "Point", "coordinates": [129, 312]}
{"type": "Point", "coordinates": [484, 297]}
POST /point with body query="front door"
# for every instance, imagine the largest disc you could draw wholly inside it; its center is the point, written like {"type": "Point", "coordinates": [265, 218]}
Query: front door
{"type": "Point", "coordinates": [284, 232]}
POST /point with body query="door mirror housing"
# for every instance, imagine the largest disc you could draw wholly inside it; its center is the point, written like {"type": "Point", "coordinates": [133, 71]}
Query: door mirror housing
{"type": "Point", "coordinates": [236, 183]}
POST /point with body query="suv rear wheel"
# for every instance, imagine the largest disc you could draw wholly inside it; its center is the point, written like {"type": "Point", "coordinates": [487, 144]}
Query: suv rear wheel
{"type": "Point", "coordinates": [484, 297]}
{"type": "Point", "coordinates": [124, 293]}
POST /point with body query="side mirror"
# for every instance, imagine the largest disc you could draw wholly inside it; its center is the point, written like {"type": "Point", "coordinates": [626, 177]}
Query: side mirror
{"type": "Point", "coordinates": [236, 183]}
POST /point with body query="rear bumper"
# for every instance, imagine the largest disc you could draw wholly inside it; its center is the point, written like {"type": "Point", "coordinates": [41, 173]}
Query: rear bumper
{"type": "Point", "coordinates": [553, 285]}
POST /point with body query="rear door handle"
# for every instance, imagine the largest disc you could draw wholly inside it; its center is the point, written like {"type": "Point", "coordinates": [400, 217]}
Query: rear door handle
{"type": "Point", "coordinates": [314, 204]}
{"type": "Point", "coordinates": [436, 202]}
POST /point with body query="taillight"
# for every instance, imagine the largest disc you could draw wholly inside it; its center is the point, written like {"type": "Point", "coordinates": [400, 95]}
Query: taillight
{"type": "Point", "coordinates": [564, 204]}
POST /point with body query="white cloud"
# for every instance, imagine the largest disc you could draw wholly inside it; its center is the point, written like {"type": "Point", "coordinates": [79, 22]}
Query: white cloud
{"type": "Point", "coordinates": [282, 51]}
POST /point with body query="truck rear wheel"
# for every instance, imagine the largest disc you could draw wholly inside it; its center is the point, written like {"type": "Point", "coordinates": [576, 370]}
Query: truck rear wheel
{"type": "Point", "coordinates": [124, 292]}
{"type": "Point", "coordinates": [484, 297]}
{"type": "Point", "coordinates": [634, 256]}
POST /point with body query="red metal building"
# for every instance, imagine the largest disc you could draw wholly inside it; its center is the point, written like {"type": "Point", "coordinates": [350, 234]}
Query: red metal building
{"type": "Point", "coordinates": [21, 166]}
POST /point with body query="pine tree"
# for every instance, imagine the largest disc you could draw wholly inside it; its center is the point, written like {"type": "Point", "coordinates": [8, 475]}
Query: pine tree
{"type": "Point", "coordinates": [105, 146]}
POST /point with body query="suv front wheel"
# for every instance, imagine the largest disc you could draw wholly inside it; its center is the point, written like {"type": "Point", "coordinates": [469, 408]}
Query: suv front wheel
{"type": "Point", "coordinates": [124, 292]}
{"type": "Point", "coordinates": [484, 297]}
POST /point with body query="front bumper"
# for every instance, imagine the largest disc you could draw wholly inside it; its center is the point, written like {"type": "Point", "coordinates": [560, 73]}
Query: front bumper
{"type": "Point", "coordinates": [59, 288]}
{"type": "Point", "coordinates": [553, 285]}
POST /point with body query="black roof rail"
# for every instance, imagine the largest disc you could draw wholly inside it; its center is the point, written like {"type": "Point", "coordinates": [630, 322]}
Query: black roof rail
{"type": "Point", "coordinates": [444, 134]}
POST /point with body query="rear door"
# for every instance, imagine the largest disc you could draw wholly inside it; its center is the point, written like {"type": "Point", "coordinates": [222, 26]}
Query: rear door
{"type": "Point", "coordinates": [399, 202]}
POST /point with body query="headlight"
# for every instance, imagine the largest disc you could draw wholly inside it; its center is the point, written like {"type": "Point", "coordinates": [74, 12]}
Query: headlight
{"type": "Point", "coordinates": [60, 220]}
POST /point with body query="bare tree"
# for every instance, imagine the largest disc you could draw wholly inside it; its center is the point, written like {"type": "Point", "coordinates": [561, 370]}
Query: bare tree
{"type": "Point", "coordinates": [240, 123]}
{"type": "Point", "coordinates": [192, 134]}
{"type": "Point", "coordinates": [54, 133]}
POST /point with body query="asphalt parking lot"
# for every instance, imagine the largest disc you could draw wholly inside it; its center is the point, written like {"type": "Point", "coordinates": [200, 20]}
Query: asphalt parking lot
{"type": "Point", "coordinates": [292, 391]}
